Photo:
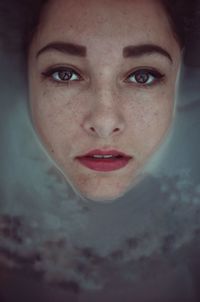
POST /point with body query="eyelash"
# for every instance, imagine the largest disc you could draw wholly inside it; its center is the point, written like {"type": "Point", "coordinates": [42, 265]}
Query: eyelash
{"type": "Point", "coordinates": [147, 77]}
{"type": "Point", "coordinates": [69, 72]}
{"type": "Point", "coordinates": [152, 77]}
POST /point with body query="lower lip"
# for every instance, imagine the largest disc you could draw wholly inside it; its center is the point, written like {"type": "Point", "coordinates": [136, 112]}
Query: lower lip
{"type": "Point", "coordinates": [104, 165]}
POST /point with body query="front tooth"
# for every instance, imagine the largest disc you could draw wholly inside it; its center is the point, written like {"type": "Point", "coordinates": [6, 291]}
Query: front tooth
{"type": "Point", "coordinates": [102, 156]}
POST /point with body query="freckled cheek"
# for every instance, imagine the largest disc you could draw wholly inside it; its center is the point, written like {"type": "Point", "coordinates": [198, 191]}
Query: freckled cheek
{"type": "Point", "coordinates": [150, 120]}
{"type": "Point", "coordinates": [156, 128]}
{"type": "Point", "coordinates": [57, 118]}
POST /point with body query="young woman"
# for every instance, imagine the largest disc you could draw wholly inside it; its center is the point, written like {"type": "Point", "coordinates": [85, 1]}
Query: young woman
{"type": "Point", "coordinates": [102, 83]}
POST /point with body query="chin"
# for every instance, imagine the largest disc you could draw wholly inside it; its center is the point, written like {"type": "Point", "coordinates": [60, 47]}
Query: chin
{"type": "Point", "coordinates": [101, 195]}
{"type": "Point", "coordinates": [100, 198]}
{"type": "Point", "coordinates": [104, 192]}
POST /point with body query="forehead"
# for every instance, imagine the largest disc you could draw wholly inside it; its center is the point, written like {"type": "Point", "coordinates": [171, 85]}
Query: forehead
{"type": "Point", "coordinates": [113, 22]}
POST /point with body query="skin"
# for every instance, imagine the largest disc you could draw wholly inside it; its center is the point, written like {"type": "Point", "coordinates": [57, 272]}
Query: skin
{"type": "Point", "coordinates": [102, 105]}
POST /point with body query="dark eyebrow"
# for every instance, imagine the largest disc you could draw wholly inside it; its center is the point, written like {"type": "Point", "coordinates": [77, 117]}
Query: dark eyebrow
{"type": "Point", "coordinates": [68, 48]}
{"type": "Point", "coordinates": [143, 49]}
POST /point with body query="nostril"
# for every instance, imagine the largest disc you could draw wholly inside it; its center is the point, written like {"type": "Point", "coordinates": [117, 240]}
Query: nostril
{"type": "Point", "coordinates": [114, 130]}
{"type": "Point", "coordinates": [93, 129]}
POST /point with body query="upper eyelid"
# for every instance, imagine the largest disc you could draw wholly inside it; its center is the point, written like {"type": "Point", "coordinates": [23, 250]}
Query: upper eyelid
{"type": "Point", "coordinates": [56, 68]}
{"type": "Point", "coordinates": [83, 75]}
{"type": "Point", "coordinates": [148, 69]}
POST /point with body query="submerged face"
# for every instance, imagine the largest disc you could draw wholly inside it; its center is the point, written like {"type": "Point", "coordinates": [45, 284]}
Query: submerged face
{"type": "Point", "coordinates": [102, 77]}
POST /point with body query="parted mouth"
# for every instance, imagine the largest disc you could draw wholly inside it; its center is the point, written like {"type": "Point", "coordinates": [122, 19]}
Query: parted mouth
{"type": "Point", "coordinates": [105, 154]}
{"type": "Point", "coordinates": [104, 160]}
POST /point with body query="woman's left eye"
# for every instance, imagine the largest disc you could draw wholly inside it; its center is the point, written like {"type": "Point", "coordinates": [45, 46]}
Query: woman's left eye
{"type": "Point", "coordinates": [62, 75]}
{"type": "Point", "coordinates": [144, 77]}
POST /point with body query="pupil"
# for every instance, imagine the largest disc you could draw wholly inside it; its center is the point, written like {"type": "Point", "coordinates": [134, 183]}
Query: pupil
{"type": "Point", "coordinates": [142, 77]}
{"type": "Point", "coordinates": [65, 75]}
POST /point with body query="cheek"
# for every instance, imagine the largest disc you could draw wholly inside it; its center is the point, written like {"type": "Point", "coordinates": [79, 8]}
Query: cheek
{"type": "Point", "coordinates": [149, 121]}
{"type": "Point", "coordinates": [56, 119]}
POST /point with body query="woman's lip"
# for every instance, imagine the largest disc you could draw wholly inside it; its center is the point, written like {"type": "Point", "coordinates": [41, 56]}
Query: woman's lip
{"type": "Point", "coordinates": [105, 152]}
{"type": "Point", "coordinates": [117, 161]}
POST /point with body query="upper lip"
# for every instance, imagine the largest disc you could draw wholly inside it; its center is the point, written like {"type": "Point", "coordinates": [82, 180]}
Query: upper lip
{"type": "Point", "coordinates": [105, 152]}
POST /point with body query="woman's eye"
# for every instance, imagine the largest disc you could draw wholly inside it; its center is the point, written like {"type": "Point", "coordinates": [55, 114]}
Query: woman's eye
{"type": "Point", "coordinates": [63, 75]}
{"type": "Point", "coordinates": [144, 77]}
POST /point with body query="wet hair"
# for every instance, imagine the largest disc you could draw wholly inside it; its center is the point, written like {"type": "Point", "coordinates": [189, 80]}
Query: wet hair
{"type": "Point", "coordinates": [181, 15]}
{"type": "Point", "coordinates": [21, 17]}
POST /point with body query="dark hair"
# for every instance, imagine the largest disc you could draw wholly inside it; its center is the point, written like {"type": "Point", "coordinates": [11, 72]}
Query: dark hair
{"type": "Point", "coordinates": [21, 17]}
{"type": "Point", "coordinates": [18, 22]}
{"type": "Point", "coordinates": [181, 15]}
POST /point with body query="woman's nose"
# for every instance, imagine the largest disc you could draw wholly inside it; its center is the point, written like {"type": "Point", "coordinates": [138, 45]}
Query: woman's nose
{"type": "Point", "coordinates": [104, 117]}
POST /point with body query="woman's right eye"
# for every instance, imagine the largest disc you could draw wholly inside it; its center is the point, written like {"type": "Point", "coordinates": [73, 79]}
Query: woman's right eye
{"type": "Point", "coordinates": [62, 75]}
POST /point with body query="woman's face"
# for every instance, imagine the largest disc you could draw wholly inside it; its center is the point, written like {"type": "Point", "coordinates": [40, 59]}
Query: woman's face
{"type": "Point", "coordinates": [102, 78]}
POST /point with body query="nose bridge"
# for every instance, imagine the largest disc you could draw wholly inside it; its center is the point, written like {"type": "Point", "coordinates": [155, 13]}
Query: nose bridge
{"type": "Point", "coordinates": [104, 117]}
{"type": "Point", "coordinates": [105, 88]}
{"type": "Point", "coordinates": [106, 96]}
